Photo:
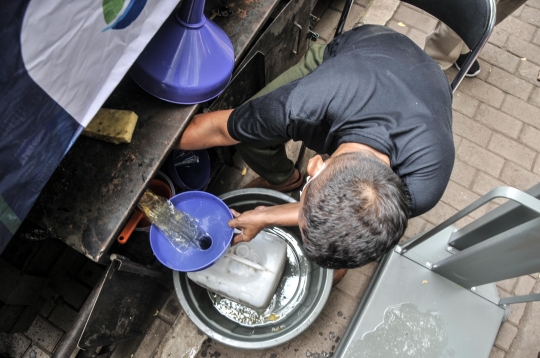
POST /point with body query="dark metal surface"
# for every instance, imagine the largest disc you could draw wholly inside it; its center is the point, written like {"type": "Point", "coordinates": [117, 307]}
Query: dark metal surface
{"type": "Point", "coordinates": [96, 186]}
{"type": "Point", "coordinates": [121, 306]}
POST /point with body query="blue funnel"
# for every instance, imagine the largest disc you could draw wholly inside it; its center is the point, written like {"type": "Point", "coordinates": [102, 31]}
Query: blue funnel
{"type": "Point", "coordinates": [189, 60]}
{"type": "Point", "coordinates": [213, 215]}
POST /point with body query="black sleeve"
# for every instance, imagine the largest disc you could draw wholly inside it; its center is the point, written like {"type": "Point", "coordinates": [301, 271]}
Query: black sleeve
{"type": "Point", "coordinates": [263, 118]}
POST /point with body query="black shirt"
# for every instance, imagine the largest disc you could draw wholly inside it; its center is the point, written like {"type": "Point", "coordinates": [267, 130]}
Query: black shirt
{"type": "Point", "coordinates": [375, 87]}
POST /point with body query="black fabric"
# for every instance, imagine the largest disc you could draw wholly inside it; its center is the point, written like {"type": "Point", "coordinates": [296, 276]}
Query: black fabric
{"type": "Point", "coordinates": [375, 87]}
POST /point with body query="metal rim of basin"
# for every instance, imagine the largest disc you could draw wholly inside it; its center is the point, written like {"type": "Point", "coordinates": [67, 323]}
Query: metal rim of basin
{"type": "Point", "coordinates": [200, 309]}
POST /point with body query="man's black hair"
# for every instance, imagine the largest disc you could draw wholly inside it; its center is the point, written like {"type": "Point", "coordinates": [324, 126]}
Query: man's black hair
{"type": "Point", "coordinates": [354, 212]}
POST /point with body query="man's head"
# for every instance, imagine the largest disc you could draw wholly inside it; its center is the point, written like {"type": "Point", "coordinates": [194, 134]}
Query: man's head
{"type": "Point", "coordinates": [354, 212]}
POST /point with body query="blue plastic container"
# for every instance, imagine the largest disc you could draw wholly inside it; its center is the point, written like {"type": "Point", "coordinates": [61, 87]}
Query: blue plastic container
{"type": "Point", "coordinates": [192, 176]}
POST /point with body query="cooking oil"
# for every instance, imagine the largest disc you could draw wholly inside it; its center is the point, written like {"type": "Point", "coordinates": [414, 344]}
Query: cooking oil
{"type": "Point", "coordinates": [181, 229]}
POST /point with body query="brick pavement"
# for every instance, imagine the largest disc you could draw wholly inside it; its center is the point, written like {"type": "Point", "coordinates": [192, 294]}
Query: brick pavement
{"type": "Point", "coordinates": [497, 136]}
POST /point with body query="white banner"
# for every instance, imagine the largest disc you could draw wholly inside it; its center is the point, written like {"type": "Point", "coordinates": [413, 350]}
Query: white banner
{"type": "Point", "coordinates": [78, 51]}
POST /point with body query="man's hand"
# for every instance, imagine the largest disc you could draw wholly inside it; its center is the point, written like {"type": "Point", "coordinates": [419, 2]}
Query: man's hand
{"type": "Point", "coordinates": [253, 221]}
{"type": "Point", "coordinates": [250, 223]}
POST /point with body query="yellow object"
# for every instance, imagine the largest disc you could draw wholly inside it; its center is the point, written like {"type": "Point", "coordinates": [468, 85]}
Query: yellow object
{"type": "Point", "coordinates": [112, 125]}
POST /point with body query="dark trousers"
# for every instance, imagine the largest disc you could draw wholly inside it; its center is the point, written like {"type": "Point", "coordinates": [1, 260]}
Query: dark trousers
{"type": "Point", "coordinates": [269, 159]}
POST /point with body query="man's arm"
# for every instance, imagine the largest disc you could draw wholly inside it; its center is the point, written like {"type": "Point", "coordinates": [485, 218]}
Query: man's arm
{"type": "Point", "coordinates": [253, 221]}
{"type": "Point", "coordinates": [207, 130]}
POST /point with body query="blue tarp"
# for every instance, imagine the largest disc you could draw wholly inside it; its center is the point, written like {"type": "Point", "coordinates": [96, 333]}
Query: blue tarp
{"type": "Point", "coordinates": [59, 61]}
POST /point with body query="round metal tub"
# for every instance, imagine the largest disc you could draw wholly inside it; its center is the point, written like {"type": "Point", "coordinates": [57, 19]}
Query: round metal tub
{"type": "Point", "coordinates": [301, 295]}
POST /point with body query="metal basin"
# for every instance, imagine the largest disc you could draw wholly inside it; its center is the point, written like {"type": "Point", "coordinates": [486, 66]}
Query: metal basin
{"type": "Point", "coordinates": [300, 297]}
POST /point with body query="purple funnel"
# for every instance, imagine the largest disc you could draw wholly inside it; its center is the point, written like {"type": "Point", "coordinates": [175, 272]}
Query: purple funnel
{"type": "Point", "coordinates": [189, 60]}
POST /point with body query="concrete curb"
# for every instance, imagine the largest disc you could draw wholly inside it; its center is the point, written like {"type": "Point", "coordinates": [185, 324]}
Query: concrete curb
{"type": "Point", "coordinates": [379, 12]}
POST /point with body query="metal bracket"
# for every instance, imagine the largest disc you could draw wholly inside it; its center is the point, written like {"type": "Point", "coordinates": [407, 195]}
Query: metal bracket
{"type": "Point", "coordinates": [295, 51]}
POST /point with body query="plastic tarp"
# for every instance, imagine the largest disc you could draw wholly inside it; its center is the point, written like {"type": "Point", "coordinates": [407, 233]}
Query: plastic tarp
{"type": "Point", "coordinates": [59, 61]}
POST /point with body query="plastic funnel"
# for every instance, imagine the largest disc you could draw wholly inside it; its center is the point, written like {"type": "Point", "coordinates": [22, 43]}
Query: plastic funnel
{"type": "Point", "coordinates": [213, 216]}
{"type": "Point", "coordinates": [191, 176]}
{"type": "Point", "coordinates": [189, 60]}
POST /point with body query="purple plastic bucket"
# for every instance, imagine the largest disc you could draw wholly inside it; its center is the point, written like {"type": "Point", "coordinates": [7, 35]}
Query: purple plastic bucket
{"type": "Point", "coordinates": [213, 215]}
{"type": "Point", "coordinates": [190, 176]}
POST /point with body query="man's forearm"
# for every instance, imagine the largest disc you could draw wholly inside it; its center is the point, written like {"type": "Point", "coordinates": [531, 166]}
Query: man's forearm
{"type": "Point", "coordinates": [207, 130]}
{"type": "Point", "coordinates": [282, 215]}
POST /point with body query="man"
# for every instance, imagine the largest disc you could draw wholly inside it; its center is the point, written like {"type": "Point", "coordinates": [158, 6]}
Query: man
{"type": "Point", "coordinates": [447, 48]}
{"type": "Point", "coordinates": [381, 107]}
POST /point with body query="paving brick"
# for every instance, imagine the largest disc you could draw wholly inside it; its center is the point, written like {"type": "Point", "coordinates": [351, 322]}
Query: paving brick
{"type": "Point", "coordinates": [43, 333]}
{"type": "Point", "coordinates": [534, 3]}
{"type": "Point", "coordinates": [536, 39]}
{"type": "Point", "coordinates": [457, 196]}
{"type": "Point", "coordinates": [415, 18]}
{"type": "Point", "coordinates": [152, 338]}
{"type": "Point", "coordinates": [395, 25]}
{"type": "Point", "coordinates": [524, 285]}
{"type": "Point", "coordinates": [531, 137]}
{"type": "Point", "coordinates": [536, 167]}
{"type": "Point", "coordinates": [535, 98]}
{"type": "Point", "coordinates": [429, 226]}
{"type": "Point", "coordinates": [320, 7]}
{"type": "Point", "coordinates": [415, 227]}
{"type": "Point", "coordinates": [418, 37]}
{"type": "Point", "coordinates": [531, 15]}
{"type": "Point", "coordinates": [463, 173]}
{"type": "Point", "coordinates": [485, 69]}
{"type": "Point", "coordinates": [496, 353]}
{"type": "Point", "coordinates": [319, 340]}
{"type": "Point", "coordinates": [354, 283]}
{"type": "Point", "coordinates": [498, 121]}
{"type": "Point", "coordinates": [457, 141]}
{"type": "Point", "coordinates": [518, 11]}
{"type": "Point", "coordinates": [354, 16]}
{"type": "Point", "coordinates": [465, 104]}
{"type": "Point", "coordinates": [498, 36]}
{"type": "Point", "coordinates": [70, 289]}
{"type": "Point", "coordinates": [529, 328]}
{"type": "Point", "coordinates": [529, 72]}
{"type": "Point", "coordinates": [523, 48]}
{"type": "Point", "coordinates": [36, 352]}
{"type": "Point", "coordinates": [471, 130]}
{"type": "Point", "coordinates": [510, 83]}
{"type": "Point", "coordinates": [90, 273]}
{"type": "Point", "coordinates": [482, 91]}
{"type": "Point", "coordinates": [170, 309]}
{"type": "Point", "coordinates": [364, 3]}
{"type": "Point", "coordinates": [516, 313]}
{"type": "Point", "coordinates": [369, 269]}
{"type": "Point", "coordinates": [506, 336]}
{"type": "Point", "coordinates": [484, 183]}
{"type": "Point", "coordinates": [499, 57]}
{"type": "Point", "coordinates": [439, 213]}
{"type": "Point", "coordinates": [326, 27]}
{"type": "Point", "coordinates": [522, 110]}
{"type": "Point", "coordinates": [518, 28]}
{"type": "Point", "coordinates": [13, 345]}
{"type": "Point", "coordinates": [507, 285]}
{"type": "Point", "coordinates": [50, 298]}
{"type": "Point", "coordinates": [63, 316]}
{"type": "Point", "coordinates": [512, 150]}
{"type": "Point", "coordinates": [480, 158]}
{"type": "Point", "coordinates": [183, 337]}
{"type": "Point", "coordinates": [340, 306]}
{"type": "Point", "coordinates": [518, 177]}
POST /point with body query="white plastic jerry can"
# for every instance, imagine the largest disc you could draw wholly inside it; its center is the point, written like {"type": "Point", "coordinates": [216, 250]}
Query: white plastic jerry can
{"type": "Point", "coordinates": [248, 273]}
